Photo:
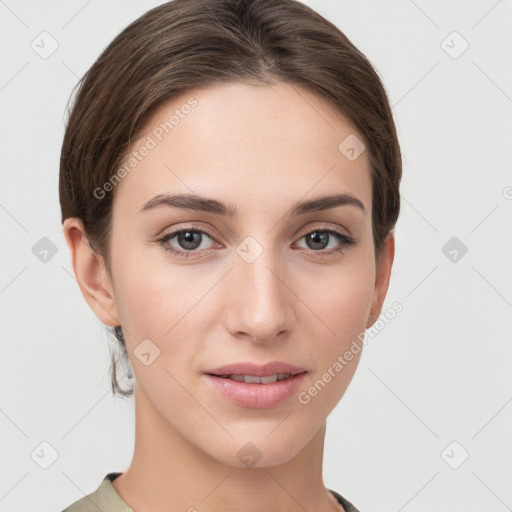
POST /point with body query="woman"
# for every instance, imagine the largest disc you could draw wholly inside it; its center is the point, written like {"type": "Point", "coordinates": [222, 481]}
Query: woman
{"type": "Point", "coordinates": [229, 187]}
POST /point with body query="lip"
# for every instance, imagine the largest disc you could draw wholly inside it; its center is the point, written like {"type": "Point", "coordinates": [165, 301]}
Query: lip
{"type": "Point", "coordinates": [257, 370]}
{"type": "Point", "coordinates": [257, 396]}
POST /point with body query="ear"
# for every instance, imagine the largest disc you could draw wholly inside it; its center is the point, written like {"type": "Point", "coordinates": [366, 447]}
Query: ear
{"type": "Point", "coordinates": [382, 275]}
{"type": "Point", "coordinates": [91, 273]}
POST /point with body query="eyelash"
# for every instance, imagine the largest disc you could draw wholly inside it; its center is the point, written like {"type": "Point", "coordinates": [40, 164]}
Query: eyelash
{"type": "Point", "coordinates": [346, 241]}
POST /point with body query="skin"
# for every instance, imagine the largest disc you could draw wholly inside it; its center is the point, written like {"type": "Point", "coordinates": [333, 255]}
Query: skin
{"type": "Point", "coordinates": [262, 149]}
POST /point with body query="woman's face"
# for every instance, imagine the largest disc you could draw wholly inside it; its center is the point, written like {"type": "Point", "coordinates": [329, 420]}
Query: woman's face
{"type": "Point", "coordinates": [249, 283]}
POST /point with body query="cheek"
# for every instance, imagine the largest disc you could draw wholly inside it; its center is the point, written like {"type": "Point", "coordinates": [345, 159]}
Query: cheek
{"type": "Point", "coordinates": [142, 291]}
{"type": "Point", "coordinates": [156, 305]}
{"type": "Point", "coordinates": [155, 298]}
{"type": "Point", "coordinates": [342, 309]}
{"type": "Point", "coordinates": [342, 301]}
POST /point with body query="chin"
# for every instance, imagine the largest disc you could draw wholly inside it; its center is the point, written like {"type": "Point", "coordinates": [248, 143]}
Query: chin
{"type": "Point", "coordinates": [259, 451]}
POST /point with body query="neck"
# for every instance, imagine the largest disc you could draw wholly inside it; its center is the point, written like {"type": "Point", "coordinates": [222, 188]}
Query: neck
{"type": "Point", "coordinates": [167, 473]}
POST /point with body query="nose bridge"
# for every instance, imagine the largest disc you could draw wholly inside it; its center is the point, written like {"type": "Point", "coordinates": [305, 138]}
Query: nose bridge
{"type": "Point", "coordinates": [259, 305]}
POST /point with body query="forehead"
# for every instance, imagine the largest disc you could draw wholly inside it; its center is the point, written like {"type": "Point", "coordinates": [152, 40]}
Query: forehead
{"type": "Point", "coordinates": [234, 140]}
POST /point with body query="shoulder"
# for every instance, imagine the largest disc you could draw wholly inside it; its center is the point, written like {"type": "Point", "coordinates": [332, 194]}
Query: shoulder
{"type": "Point", "coordinates": [349, 507]}
{"type": "Point", "coordinates": [104, 498]}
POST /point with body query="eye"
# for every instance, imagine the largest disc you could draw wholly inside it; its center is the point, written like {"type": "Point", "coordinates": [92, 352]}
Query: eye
{"type": "Point", "coordinates": [319, 239]}
{"type": "Point", "coordinates": [188, 241]}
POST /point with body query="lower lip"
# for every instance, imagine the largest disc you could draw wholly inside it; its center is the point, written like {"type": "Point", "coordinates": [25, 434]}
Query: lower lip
{"type": "Point", "coordinates": [257, 396]}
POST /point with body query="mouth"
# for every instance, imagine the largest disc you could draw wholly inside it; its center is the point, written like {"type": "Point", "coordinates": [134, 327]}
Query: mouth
{"type": "Point", "coordinates": [257, 386]}
{"type": "Point", "coordinates": [255, 379]}
{"type": "Point", "coordinates": [251, 373]}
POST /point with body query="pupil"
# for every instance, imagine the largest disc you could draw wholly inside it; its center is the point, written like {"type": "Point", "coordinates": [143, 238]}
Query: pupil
{"type": "Point", "coordinates": [187, 237]}
{"type": "Point", "coordinates": [317, 237]}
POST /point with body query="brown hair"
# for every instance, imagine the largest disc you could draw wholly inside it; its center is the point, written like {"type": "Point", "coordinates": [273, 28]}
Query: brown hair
{"type": "Point", "coordinates": [184, 44]}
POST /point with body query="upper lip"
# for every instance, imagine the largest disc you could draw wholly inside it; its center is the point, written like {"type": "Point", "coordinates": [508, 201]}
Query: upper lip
{"type": "Point", "coordinates": [265, 370]}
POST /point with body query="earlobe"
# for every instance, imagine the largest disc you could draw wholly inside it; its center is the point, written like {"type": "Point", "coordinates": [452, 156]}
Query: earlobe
{"type": "Point", "coordinates": [91, 273]}
{"type": "Point", "coordinates": [382, 275]}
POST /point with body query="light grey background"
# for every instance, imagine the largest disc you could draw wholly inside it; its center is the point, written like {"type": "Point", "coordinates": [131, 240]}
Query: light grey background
{"type": "Point", "coordinates": [438, 373]}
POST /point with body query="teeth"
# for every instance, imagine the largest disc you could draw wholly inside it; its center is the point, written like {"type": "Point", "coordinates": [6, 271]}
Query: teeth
{"type": "Point", "coordinates": [250, 379]}
{"type": "Point", "coordinates": [253, 379]}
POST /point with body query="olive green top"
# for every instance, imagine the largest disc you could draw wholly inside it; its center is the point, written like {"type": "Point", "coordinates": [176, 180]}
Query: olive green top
{"type": "Point", "coordinates": [106, 499]}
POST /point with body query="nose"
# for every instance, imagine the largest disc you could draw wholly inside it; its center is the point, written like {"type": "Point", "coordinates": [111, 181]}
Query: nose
{"type": "Point", "coordinates": [260, 305]}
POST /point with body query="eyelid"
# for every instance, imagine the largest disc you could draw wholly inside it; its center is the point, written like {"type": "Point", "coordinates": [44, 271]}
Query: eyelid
{"type": "Point", "coordinates": [327, 227]}
{"type": "Point", "coordinates": [195, 227]}
{"type": "Point", "coordinates": [346, 239]}
{"type": "Point", "coordinates": [187, 227]}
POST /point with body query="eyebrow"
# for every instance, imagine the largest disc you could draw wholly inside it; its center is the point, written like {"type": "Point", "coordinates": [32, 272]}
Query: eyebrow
{"type": "Point", "coordinates": [204, 204]}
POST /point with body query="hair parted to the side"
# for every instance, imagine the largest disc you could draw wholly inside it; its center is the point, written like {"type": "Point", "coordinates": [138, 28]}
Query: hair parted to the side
{"type": "Point", "coordinates": [185, 44]}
